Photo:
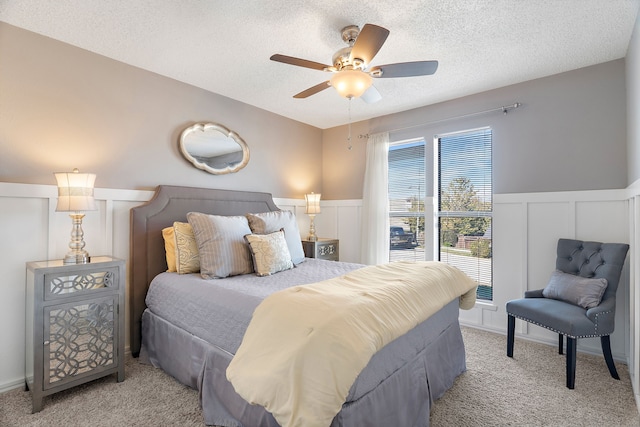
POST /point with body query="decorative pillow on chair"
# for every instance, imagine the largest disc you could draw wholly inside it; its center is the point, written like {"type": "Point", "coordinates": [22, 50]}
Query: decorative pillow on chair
{"type": "Point", "coordinates": [269, 252]}
{"type": "Point", "coordinates": [577, 290]}
{"type": "Point", "coordinates": [269, 222]}
{"type": "Point", "coordinates": [223, 250]}
{"type": "Point", "coordinates": [181, 249]}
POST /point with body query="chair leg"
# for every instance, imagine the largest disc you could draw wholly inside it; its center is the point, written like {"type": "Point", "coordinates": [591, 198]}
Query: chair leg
{"type": "Point", "coordinates": [571, 362]}
{"type": "Point", "coordinates": [606, 350]}
{"type": "Point", "coordinates": [511, 328]}
{"type": "Point", "coordinates": [560, 344]}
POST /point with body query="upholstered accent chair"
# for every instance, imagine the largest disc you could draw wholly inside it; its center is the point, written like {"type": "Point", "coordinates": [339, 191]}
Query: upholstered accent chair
{"type": "Point", "coordinates": [578, 302]}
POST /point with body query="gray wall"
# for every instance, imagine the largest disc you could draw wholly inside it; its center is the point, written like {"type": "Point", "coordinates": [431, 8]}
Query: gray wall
{"type": "Point", "coordinates": [633, 105]}
{"type": "Point", "coordinates": [63, 107]}
{"type": "Point", "coordinates": [570, 134]}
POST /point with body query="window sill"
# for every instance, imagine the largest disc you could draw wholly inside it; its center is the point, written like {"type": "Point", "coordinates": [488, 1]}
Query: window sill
{"type": "Point", "coordinates": [486, 305]}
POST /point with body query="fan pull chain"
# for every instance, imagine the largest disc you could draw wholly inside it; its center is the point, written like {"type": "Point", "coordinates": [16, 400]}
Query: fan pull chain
{"type": "Point", "coordinates": [349, 147]}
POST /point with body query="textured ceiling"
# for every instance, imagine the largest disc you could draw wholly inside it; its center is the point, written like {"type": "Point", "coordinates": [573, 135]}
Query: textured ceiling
{"type": "Point", "coordinates": [224, 45]}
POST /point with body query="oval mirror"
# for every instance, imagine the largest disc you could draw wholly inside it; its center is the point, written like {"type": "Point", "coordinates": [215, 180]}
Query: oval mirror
{"type": "Point", "coordinates": [214, 148]}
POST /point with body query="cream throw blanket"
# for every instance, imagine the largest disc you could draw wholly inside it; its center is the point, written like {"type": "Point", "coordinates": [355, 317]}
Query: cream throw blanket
{"type": "Point", "coordinates": [306, 345]}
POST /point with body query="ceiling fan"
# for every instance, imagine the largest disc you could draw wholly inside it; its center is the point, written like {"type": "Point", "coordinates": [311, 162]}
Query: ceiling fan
{"type": "Point", "coordinates": [351, 76]}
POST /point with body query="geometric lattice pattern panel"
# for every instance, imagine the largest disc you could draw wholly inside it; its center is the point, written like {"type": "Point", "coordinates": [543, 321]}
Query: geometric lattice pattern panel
{"type": "Point", "coordinates": [68, 284]}
{"type": "Point", "coordinates": [81, 338]}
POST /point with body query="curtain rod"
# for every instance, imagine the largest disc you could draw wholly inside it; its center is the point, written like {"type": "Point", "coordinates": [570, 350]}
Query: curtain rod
{"type": "Point", "coordinates": [505, 109]}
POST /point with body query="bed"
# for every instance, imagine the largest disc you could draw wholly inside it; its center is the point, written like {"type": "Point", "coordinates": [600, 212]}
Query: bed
{"type": "Point", "coordinates": [193, 336]}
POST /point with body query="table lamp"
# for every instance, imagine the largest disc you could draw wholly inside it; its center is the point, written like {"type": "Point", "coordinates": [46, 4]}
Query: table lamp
{"type": "Point", "coordinates": [75, 195]}
{"type": "Point", "coordinates": [313, 208]}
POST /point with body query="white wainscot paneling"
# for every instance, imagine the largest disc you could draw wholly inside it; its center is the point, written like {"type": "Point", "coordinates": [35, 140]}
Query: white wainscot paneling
{"type": "Point", "coordinates": [339, 219]}
{"type": "Point", "coordinates": [349, 230]}
{"type": "Point", "coordinates": [32, 230]}
{"type": "Point", "coordinates": [24, 237]}
{"type": "Point", "coordinates": [509, 236]}
{"type": "Point", "coordinates": [607, 221]}
{"type": "Point", "coordinates": [326, 222]}
{"type": "Point", "coordinates": [634, 296]}
{"type": "Point", "coordinates": [526, 228]}
{"type": "Point", "coordinates": [525, 232]}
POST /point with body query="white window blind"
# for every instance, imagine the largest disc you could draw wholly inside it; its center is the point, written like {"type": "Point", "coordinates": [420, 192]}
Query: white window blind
{"type": "Point", "coordinates": [465, 204]}
{"type": "Point", "coordinates": [406, 200]}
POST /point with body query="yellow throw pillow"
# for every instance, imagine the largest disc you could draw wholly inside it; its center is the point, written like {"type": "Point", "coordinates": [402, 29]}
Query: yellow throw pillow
{"type": "Point", "coordinates": [169, 248]}
{"type": "Point", "coordinates": [187, 255]}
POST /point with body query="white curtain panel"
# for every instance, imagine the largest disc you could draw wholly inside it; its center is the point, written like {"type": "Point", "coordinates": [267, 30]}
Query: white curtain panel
{"type": "Point", "coordinates": [375, 202]}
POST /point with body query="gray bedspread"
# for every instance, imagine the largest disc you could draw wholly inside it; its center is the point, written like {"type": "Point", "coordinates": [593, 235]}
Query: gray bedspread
{"type": "Point", "coordinates": [192, 328]}
{"type": "Point", "coordinates": [219, 310]}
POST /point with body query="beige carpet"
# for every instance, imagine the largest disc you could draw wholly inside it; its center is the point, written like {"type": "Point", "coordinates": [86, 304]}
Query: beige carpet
{"type": "Point", "coordinates": [528, 390]}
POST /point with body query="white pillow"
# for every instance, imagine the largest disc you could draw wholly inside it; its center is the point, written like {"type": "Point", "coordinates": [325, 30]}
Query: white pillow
{"type": "Point", "coordinates": [269, 222]}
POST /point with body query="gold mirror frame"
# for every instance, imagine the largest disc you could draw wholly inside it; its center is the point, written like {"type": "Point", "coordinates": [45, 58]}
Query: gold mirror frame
{"type": "Point", "coordinates": [213, 148]}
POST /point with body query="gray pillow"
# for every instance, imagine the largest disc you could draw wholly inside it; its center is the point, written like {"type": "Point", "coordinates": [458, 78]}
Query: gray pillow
{"type": "Point", "coordinates": [270, 222]}
{"type": "Point", "coordinates": [577, 290]}
{"type": "Point", "coordinates": [223, 250]}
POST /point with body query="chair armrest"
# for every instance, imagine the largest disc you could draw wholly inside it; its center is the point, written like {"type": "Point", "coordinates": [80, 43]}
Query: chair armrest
{"type": "Point", "coordinates": [533, 294]}
{"type": "Point", "coordinates": [604, 314]}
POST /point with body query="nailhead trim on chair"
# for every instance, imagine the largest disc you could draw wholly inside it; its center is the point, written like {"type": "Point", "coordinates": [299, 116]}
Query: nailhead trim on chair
{"type": "Point", "coordinates": [554, 330]}
{"type": "Point", "coordinates": [598, 314]}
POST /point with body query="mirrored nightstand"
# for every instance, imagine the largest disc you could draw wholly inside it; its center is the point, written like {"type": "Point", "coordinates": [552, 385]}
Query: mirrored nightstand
{"type": "Point", "coordinates": [74, 324]}
{"type": "Point", "coordinates": [328, 249]}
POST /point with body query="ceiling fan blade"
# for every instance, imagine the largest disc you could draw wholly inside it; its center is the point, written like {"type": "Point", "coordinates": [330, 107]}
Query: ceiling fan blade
{"type": "Point", "coordinates": [299, 62]}
{"type": "Point", "coordinates": [371, 95]}
{"type": "Point", "coordinates": [405, 69]}
{"type": "Point", "coordinates": [368, 42]}
{"type": "Point", "coordinates": [313, 90]}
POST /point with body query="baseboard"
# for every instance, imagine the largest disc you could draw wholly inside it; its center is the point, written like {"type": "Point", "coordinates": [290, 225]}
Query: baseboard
{"type": "Point", "coordinates": [618, 358]}
{"type": "Point", "coordinates": [636, 394]}
{"type": "Point", "coordinates": [11, 385]}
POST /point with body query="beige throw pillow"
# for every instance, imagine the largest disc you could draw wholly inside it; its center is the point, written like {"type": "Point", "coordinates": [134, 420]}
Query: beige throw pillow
{"type": "Point", "coordinates": [269, 252]}
{"type": "Point", "coordinates": [187, 255]}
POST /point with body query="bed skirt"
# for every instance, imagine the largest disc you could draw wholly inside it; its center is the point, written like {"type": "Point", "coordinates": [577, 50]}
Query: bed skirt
{"type": "Point", "coordinates": [397, 387]}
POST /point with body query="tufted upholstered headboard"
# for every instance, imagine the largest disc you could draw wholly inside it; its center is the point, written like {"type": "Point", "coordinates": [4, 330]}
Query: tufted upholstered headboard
{"type": "Point", "coordinates": [169, 204]}
{"type": "Point", "coordinates": [592, 260]}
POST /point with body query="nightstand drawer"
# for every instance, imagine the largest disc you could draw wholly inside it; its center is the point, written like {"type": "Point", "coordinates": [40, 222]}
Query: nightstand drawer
{"type": "Point", "coordinates": [57, 285]}
{"type": "Point", "coordinates": [328, 249]}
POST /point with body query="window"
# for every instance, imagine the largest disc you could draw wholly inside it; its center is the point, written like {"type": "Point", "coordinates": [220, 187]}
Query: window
{"type": "Point", "coordinates": [451, 220]}
{"type": "Point", "coordinates": [406, 200]}
{"type": "Point", "coordinates": [464, 214]}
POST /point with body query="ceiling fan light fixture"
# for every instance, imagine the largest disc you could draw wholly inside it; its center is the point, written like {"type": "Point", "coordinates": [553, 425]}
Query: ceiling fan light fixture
{"type": "Point", "coordinates": [351, 83]}
{"type": "Point", "coordinates": [349, 64]}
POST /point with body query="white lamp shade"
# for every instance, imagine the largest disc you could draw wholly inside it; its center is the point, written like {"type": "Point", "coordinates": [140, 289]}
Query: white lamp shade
{"type": "Point", "coordinates": [351, 83]}
{"type": "Point", "coordinates": [75, 191]}
{"type": "Point", "coordinates": [313, 203]}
